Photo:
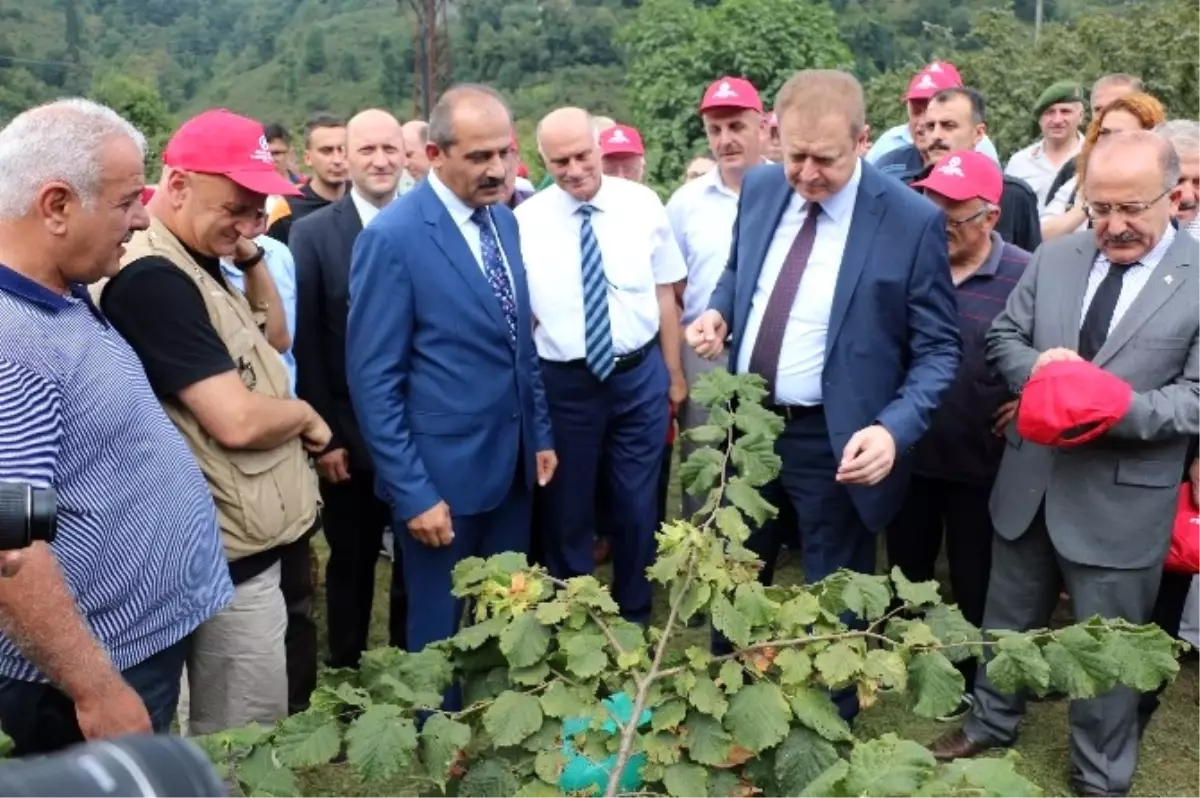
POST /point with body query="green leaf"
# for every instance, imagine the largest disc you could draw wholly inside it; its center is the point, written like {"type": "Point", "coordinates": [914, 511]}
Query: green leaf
{"type": "Point", "coordinates": [995, 776]}
{"type": "Point", "coordinates": [701, 471]}
{"type": "Point", "coordinates": [831, 783]}
{"type": "Point", "coordinates": [730, 676]}
{"type": "Point", "coordinates": [753, 605]}
{"type": "Point", "coordinates": [725, 783]}
{"type": "Point", "coordinates": [708, 698]}
{"type": "Point", "coordinates": [713, 388]}
{"type": "Point", "coordinates": [380, 742]}
{"type": "Point", "coordinates": [469, 573]}
{"type": "Point", "coordinates": [814, 709]}
{"type": "Point", "coordinates": [1018, 664]}
{"type": "Point", "coordinates": [794, 665]}
{"type": "Point", "coordinates": [731, 524]}
{"type": "Point", "coordinates": [552, 612]}
{"type": "Point", "coordinates": [531, 676]}
{"type": "Point", "coordinates": [549, 736]}
{"type": "Point", "coordinates": [488, 778]}
{"type": "Point", "coordinates": [512, 717]}
{"type": "Point", "coordinates": [1078, 664]}
{"type": "Point", "coordinates": [7, 745]}
{"type": "Point", "coordinates": [561, 701]}
{"type": "Point", "coordinates": [742, 495]}
{"type": "Point", "coordinates": [307, 740]}
{"type": "Point", "coordinates": [669, 715]}
{"type": "Point", "coordinates": [757, 421]}
{"type": "Point", "coordinates": [259, 775]}
{"type": "Point", "coordinates": [1145, 658]}
{"type": "Point", "coordinates": [587, 590]}
{"type": "Point", "coordinates": [886, 667]}
{"type": "Point", "coordinates": [802, 758]}
{"type": "Point", "coordinates": [548, 766]}
{"type": "Point", "coordinates": [937, 686]}
{"type": "Point", "coordinates": [758, 716]}
{"type": "Point", "coordinates": [917, 635]}
{"type": "Point", "coordinates": [866, 595]}
{"type": "Point", "coordinates": [669, 564]}
{"type": "Point", "coordinates": [838, 664]}
{"type": "Point", "coordinates": [525, 640]}
{"type": "Point", "coordinates": [537, 789]}
{"type": "Point", "coordinates": [665, 748]}
{"type": "Point", "coordinates": [707, 742]}
{"type": "Point", "coordinates": [889, 766]}
{"type": "Point", "coordinates": [475, 635]}
{"type": "Point", "coordinates": [918, 594]}
{"type": "Point", "coordinates": [698, 657]}
{"type": "Point", "coordinates": [441, 740]}
{"type": "Point", "coordinates": [697, 596]}
{"type": "Point", "coordinates": [798, 612]}
{"type": "Point", "coordinates": [684, 779]}
{"type": "Point", "coordinates": [729, 622]}
{"type": "Point", "coordinates": [586, 656]}
{"type": "Point", "coordinates": [753, 455]}
{"type": "Point", "coordinates": [707, 433]}
{"type": "Point", "coordinates": [951, 628]}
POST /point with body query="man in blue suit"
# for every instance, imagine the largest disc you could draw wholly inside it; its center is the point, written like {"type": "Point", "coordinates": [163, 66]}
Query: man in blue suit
{"type": "Point", "coordinates": [838, 292]}
{"type": "Point", "coordinates": [440, 360]}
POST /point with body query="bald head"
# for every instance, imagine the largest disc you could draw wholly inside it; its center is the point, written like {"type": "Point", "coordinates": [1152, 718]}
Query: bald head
{"type": "Point", "coordinates": [569, 142]}
{"type": "Point", "coordinates": [1135, 152]}
{"type": "Point", "coordinates": [375, 154]}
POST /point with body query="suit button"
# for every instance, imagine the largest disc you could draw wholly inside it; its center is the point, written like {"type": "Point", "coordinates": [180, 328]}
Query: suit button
{"type": "Point", "coordinates": [513, 417]}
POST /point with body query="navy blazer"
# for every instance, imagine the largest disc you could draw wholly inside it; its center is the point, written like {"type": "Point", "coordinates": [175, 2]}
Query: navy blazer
{"type": "Point", "coordinates": [446, 401]}
{"type": "Point", "coordinates": [893, 344]}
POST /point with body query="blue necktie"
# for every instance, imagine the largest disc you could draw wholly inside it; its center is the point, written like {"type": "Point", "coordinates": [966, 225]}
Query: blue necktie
{"type": "Point", "coordinates": [597, 328]}
{"type": "Point", "coordinates": [493, 267]}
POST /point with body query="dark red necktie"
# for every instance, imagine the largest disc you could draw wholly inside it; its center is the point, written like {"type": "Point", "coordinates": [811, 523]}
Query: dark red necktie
{"type": "Point", "coordinates": [764, 358]}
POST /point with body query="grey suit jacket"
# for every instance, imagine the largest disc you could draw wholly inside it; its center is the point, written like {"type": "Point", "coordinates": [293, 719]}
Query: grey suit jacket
{"type": "Point", "coordinates": [1110, 502]}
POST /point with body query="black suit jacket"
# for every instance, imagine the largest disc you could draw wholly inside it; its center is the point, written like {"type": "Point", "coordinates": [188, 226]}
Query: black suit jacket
{"type": "Point", "coordinates": [322, 244]}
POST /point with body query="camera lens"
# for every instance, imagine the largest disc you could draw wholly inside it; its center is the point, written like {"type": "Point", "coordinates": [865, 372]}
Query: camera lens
{"type": "Point", "coordinates": [26, 514]}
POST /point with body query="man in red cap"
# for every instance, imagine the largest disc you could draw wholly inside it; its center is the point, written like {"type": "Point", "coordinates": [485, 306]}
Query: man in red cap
{"type": "Point", "coordinates": [1096, 518]}
{"type": "Point", "coordinates": [927, 82]}
{"type": "Point", "coordinates": [622, 153]}
{"type": "Point", "coordinates": [226, 389]}
{"type": "Point", "coordinates": [955, 463]}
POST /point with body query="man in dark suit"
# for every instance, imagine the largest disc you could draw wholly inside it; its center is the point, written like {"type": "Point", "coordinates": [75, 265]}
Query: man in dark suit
{"type": "Point", "coordinates": [857, 353]}
{"type": "Point", "coordinates": [441, 364]}
{"type": "Point", "coordinates": [354, 518]}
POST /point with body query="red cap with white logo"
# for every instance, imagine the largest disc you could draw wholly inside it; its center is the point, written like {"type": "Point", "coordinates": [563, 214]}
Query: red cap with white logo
{"type": "Point", "coordinates": [731, 93]}
{"type": "Point", "coordinates": [621, 140]}
{"type": "Point", "coordinates": [964, 175]}
{"type": "Point", "coordinates": [932, 79]}
{"type": "Point", "coordinates": [220, 142]}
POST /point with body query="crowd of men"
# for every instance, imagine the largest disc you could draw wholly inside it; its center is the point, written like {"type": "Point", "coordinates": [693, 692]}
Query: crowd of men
{"type": "Point", "coordinates": [413, 338]}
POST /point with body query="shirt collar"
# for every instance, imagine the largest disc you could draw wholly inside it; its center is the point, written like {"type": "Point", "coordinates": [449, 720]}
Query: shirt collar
{"type": "Point", "coordinates": [460, 211]}
{"type": "Point", "coordinates": [841, 203]}
{"type": "Point", "coordinates": [364, 206]}
{"type": "Point", "coordinates": [992, 263]}
{"type": "Point", "coordinates": [20, 286]}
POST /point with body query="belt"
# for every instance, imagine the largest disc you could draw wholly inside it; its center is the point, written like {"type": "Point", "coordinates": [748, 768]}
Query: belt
{"type": "Point", "coordinates": [622, 362]}
{"type": "Point", "coordinates": [793, 412]}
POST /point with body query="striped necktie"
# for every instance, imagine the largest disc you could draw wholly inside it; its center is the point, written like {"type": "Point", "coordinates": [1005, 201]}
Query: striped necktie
{"type": "Point", "coordinates": [597, 327]}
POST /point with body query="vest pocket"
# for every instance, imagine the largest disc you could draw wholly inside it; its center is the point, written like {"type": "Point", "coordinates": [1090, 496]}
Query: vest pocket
{"type": "Point", "coordinates": [263, 499]}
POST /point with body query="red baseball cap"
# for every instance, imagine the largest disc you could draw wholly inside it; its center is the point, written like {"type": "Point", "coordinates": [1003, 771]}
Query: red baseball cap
{"type": "Point", "coordinates": [220, 142]}
{"type": "Point", "coordinates": [929, 82]}
{"type": "Point", "coordinates": [964, 175]}
{"type": "Point", "coordinates": [147, 193]}
{"type": "Point", "coordinates": [944, 68]}
{"type": "Point", "coordinates": [731, 93]}
{"type": "Point", "coordinates": [1068, 403]}
{"type": "Point", "coordinates": [621, 140]}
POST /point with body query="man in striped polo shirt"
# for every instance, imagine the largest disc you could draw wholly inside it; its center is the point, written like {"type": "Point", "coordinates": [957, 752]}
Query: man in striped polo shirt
{"type": "Point", "coordinates": [93, 625]}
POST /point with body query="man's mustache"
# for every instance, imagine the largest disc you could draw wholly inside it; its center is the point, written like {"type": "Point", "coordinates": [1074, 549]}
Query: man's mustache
{"type": "Point", "coordinates": [1189, 205]}
{"type": "Point", "coordinates": [1125, 237]}
{"type": "Point", "coordinates": [491, 182]}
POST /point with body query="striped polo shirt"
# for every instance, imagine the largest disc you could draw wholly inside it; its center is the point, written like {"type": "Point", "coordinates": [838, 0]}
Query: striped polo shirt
{"type": "Point", "coordinates": [138, 539]}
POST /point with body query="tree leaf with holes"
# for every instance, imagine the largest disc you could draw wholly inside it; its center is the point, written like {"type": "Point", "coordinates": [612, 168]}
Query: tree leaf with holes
{"type": "Point", "coordinates": [758, 716]}
{"type": "Point", "coordinates": [512, 717]}
{"type": "Point", "coordinates": [730, 676]}
{"type": "Point", "coordinates": [441, 741]}
{"type": "Point", "coordinates": [380, 742]}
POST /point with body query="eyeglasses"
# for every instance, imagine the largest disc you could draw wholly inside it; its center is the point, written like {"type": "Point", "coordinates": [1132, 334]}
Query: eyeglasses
{"type": "Point", "coordinates": [951, 222]}
{"type": "Point", "coordinates": [1103, 210]}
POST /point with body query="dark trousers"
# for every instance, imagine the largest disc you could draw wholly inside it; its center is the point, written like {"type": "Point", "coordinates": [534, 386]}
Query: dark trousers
{"type": "Point", "coordinates": [40, 719]}
{"type": "Point", "coordinates": [298, 583]}
{"type": "Point", "coordinates": [1168, 610]}
{"type": "Point", "coordinates": [664, 483]}
{"type": "Point", "coordinates": [816, 514]}
{"type": "Point", "coordinates": [933, 508]}
{"type": "Point", "coordinates": [355, 519]}
{"type": "Point", "coordinates": [607, 433]}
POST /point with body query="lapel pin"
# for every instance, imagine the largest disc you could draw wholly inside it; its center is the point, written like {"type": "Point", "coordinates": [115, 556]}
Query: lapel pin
{"type": "Point", "coordinates": [1168, 279]}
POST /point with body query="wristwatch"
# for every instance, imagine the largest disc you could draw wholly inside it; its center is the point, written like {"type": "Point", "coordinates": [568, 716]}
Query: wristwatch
{"type": "Point", "coordinates": [243, 265]}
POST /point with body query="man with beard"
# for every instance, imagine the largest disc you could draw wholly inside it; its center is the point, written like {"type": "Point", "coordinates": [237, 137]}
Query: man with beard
{"type": "Point", "coordinates": [354, 517]}
{"type": "Point", "coordinates": [325, 154]}
{"type": "Point", "coordinates": [956, 119]}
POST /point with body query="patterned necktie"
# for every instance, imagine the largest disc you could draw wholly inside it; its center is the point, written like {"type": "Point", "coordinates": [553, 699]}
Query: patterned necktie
{"type": "Point", "coordinates": [597, 328]}
{"type": "Point", "coordinates": [493, 267]}
{"type": "Point", "coordinates": [1094, 330]}
{"type": "Point", "coordinates": [764, 358]}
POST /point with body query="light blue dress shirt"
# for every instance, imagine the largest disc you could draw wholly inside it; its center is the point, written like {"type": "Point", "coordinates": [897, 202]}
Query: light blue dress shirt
{"type": "Point", "coordinates": [283, 271]}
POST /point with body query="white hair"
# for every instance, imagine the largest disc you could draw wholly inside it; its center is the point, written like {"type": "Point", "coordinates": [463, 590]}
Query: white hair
{"type": "Point", "coordinates": [1183, 134]}
{"type": "Point", "coordinates": [60, 140]}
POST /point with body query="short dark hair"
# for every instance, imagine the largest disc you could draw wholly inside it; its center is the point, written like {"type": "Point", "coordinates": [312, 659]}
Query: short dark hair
{"type": "Point", "coordinates": [275, 131]}
{"type": "Point", "coordinates": [319, 120]}
{"type": "Point", "coordinates": [441, 118]}
{"type": "Point", "coordinates": [978, 104]}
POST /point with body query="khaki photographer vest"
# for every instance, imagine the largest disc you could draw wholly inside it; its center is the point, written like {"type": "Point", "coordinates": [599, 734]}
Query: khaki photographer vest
{"type": "Point", "coordinates": [264, 498]}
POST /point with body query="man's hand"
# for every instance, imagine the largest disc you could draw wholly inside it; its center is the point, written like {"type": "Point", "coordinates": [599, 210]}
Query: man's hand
{"type": "Point", "coordinates": [1003, 415]}
{"type": "Point", "coordinates": [245, 249]}
{"type": "Point", "coordinates": [1055, 355]}
{"type": "Point", "coordinates": [334, 466]}
{"type": "Point", "coordinates": [112, 709]}
{"type": "Point", "coordinates": [432, 527]}
{"type": "Point", "coordinates": [707, 334]}
{"type": "Point", "coordinates": [547, 464]}
{"type": "Point", "coordinates": [678, 392]}
{"type": "Point", "coordinates": [10, 563]}
{"type": "Point", "coordinates": [316, 434]}
{"type": "Point", "coordinates": [868, 458]}
{"type": "Point", "coordinates": [1194, 477]}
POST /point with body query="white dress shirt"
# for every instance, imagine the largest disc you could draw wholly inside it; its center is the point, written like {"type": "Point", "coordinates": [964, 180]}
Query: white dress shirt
{"type": "Point", "coordinates": [638, 250]}
{"type": "Point", "coordinates": [1133, 283]}
{"type": "Point", "coordinates": [461, 212]}
{"type": "Point", "coordinates": [366, 209]}
{"type": "Point", "coordinates": [802, 358]}
{"type": "Point", "coordinates": [1034, 167]}
{"type": "Point", "coordinates": [702, 215]}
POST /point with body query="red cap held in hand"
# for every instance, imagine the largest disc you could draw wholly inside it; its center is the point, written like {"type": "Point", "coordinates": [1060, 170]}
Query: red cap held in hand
{"type": "Point", "coordinates": [1068, 403]}
{"type": "Point", "coordinates": [964, 175]}
{"type": "Point", "coordinates": [621, 140]}
{"type": "Point", "coordinates": [220, 142]}
{"type": "Point", "coordinates": [731, 93]}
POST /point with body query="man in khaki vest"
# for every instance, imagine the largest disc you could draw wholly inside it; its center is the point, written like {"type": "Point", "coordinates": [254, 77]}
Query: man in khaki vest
{"type": "Point", "coordinates": [202, 345]}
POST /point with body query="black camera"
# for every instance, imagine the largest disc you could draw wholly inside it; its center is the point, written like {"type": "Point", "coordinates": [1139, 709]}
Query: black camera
{"type": "Point", "coordinates": [26, 514]}
{"type": "Point", "coordinates": [142, 766]}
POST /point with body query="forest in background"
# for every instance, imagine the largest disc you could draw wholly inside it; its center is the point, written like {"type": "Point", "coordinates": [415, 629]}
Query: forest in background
{"type": "Point", "coordinates": [642, 62]}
